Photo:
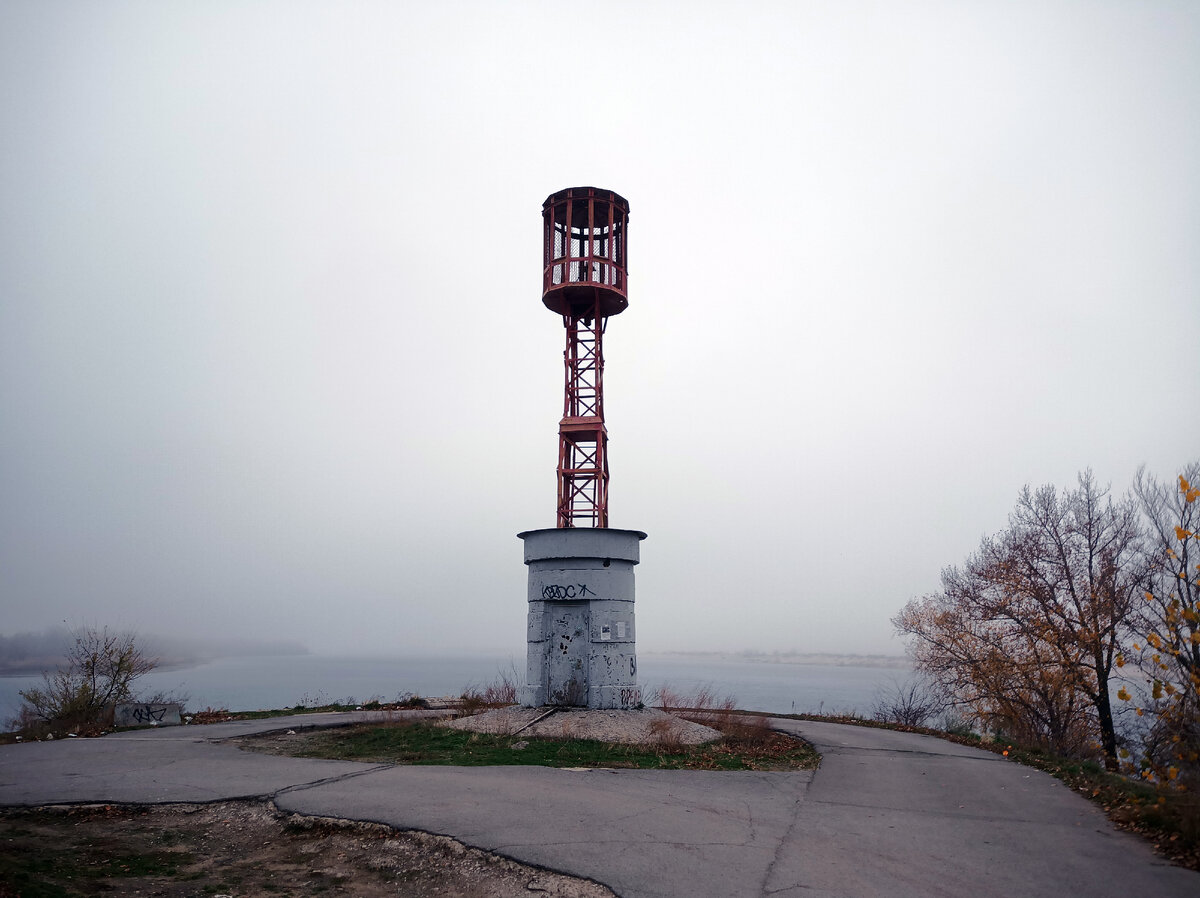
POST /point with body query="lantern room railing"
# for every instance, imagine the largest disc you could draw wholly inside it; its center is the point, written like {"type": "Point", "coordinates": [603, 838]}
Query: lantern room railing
{"type": "Point", "coordinates": [584, 251]}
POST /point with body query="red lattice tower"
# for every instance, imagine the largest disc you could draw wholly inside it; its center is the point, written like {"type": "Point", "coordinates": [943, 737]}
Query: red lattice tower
{"type": "Point", "coordinates": [584, 280]}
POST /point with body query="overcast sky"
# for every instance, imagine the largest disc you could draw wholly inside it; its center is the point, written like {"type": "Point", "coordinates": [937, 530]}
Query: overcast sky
{"type": "Point", "coordinates": [273, 360]}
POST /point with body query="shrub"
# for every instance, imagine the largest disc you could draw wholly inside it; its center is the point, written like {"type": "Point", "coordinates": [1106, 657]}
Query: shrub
{"type": "Point", "coordinates": [500, 692]}
{"type": "Point", "coordinates": [409, 700]}
{"type": "Point", "coordinates": [913, 704]}
{"type": "Point", "coordinates": [740, 728]}
{"type": "Point", "coordinates": [99, 670]}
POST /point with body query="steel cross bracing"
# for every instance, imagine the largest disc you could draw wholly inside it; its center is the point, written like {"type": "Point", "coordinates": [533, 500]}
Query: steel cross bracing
{"type": "Point", "coordinates": [582, 437]}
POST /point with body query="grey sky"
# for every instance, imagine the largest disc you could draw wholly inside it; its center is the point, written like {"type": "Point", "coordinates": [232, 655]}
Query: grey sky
{"type": "Point", "coordinates": [273, 360]}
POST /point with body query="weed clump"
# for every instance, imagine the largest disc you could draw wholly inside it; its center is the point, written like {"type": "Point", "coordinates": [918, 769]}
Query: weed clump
{"type": "Point", "coordinates": [499, 693]}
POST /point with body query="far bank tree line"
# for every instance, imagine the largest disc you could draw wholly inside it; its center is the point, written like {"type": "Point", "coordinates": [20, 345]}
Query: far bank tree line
{"type": "Point", "coordinates": [1077, 627]}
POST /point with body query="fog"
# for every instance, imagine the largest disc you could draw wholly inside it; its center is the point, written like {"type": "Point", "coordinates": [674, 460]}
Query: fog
{"type": "Point", "coordinates": [274, 365]}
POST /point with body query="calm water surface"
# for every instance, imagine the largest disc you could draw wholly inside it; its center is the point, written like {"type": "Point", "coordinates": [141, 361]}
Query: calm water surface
{"type": "Point", "coordinates": [288, 680]}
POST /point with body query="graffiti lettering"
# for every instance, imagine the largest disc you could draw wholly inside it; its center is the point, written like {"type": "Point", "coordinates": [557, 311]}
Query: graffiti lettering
{"type": "Point", "coordinates": [569, 591]}
{"type": "Point", "coordinates": [149, 715]}
{"type": "Point", "coordinates": [630, 696]}
{"type": "Point", "coordinates": [135, 714]}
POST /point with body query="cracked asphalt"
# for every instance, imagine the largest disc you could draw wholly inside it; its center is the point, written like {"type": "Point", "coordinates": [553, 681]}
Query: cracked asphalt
{"type": "Point", "coordinates": [887, 813]}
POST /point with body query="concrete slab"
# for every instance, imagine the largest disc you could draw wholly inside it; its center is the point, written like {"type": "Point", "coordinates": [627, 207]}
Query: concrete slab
{"type": "Point", "coordinates": [896, 814]}
{"type": "Point", "coordinates": [641, 833]}
{"type": "Point", "coordinates": [887, 813]}
{"type": "Point", "coordinates": [185, 763]}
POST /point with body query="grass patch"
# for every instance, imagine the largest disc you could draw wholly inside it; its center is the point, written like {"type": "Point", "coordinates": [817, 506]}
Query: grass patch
{"type": "Point", "coordinates": [36, 861]}
{"type": "Point", "coordinates": [224, 715]}
{"type": "Point", "coordinates": [424, 743]}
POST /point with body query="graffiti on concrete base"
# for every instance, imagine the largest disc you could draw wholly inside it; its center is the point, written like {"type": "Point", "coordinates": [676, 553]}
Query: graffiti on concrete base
{"type": "Point", "coordinates": [140, 714]}
{"type": "Point", "coordinates": [149, 714]}
{"type": "Point", "coordinates": [553, 591]}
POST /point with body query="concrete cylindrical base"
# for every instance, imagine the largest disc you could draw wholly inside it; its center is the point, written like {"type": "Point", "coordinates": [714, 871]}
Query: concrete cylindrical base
{"type": "Point", "coordinates": [581, 635]}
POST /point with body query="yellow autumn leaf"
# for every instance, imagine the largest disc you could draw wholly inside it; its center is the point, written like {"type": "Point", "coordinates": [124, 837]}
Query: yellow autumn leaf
{"type": "Point", "coordinates": [1190, 493]}
{"type": "Point", "coordinates": [1181, 534]}
{"type": "Point", "coordinates": [1123, 695]}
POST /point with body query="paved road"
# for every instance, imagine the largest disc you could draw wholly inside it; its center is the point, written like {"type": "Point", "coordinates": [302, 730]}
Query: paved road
{"type": "Point", "coordinates": [887, 814]}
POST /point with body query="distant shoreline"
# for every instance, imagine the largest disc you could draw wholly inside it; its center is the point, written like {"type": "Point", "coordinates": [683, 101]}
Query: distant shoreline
{"type": "Point", "coordinates": [32, 654]}
{"type": "Point", "coordinates": [28, 668]}
{"type": "Point", "coordinates": [828, 659]}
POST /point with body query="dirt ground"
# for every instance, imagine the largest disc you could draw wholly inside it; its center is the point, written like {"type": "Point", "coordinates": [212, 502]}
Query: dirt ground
{"type": "Point", "coordinates": [249, 848]}
{"type": "Point", "coordinates": [240, 848]}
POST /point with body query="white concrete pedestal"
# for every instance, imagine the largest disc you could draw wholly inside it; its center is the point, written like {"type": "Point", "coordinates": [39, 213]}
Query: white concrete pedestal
{"type": "Point", "coordinates": [581, 635]}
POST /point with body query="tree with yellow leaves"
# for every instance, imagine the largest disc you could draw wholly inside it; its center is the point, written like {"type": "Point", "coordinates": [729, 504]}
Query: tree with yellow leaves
{"type": "Point", "coordinates": [1029, 632]}
{"type": "Point", "coordinates": [968, 639]}
{"type": "Point", "coordinates": [1168, 652]}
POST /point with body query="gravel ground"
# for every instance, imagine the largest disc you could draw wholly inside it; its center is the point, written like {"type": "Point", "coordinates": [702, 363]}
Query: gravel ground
{"type": "Point", "coordinates": [243, 848]}
{"type": "Point", "coordinates": [644, 727]}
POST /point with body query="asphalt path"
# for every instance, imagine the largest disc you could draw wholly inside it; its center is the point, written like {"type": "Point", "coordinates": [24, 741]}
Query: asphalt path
{"type": "Point", "coordinates": [887, 813]}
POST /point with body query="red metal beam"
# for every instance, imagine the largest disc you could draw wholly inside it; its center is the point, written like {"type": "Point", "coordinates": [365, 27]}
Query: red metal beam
{"type": "Point", "coordinates": [584, 251]}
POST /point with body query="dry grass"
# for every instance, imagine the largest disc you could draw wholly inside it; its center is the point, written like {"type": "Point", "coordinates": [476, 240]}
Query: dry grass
{"type": "Point", "coordinates": [702, 706]}
{"type": "Point", "coordinates": [744, 729]}
{"type": "Point", "coordinates": [499, 693]}
{"type": "Point", "coordinates": [913, 704]}
{"type": "Point", "coordinates": [665, 735]}
{"type": "Point", "coordinates": [566, 729]}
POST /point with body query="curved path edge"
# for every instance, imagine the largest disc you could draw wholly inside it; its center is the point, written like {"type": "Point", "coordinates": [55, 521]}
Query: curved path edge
{"type": "Point", "coordinates": [887, 813]}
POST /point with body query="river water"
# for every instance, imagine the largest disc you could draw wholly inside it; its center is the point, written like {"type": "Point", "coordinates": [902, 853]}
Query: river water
{"type": "Point", "coordinates": [283, 681]}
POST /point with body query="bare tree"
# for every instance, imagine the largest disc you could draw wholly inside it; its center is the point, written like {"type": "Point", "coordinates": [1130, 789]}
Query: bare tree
{"type": "Point", "coordinates": [1030, 630]}
{"type": "Point", "coordinates": [1078, 566]}
{"type": "Point", "coordinates": [99, 670]}
{"type": "Point", "coordinates": [995, 670]}
{"type": "Point", "coordinates": [1167, 648]}
{"type": "Point", "coordinates": [912, 704]}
